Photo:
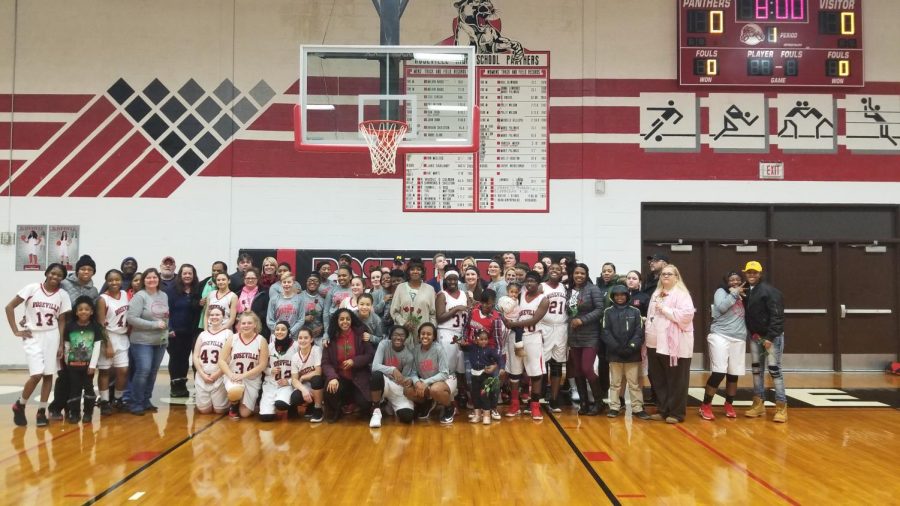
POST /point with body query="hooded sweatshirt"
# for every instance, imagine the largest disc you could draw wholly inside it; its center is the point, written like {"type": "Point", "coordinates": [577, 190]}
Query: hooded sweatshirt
{"type": "Point", "coordinates": [623, 332]}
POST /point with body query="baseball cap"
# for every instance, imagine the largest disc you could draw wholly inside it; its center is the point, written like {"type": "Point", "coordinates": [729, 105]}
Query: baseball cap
{"type": "Point", "coordinates": [348, 256]}
{"type": "Point", "coordinates": [658, 256]}
{"type": "Point", "coordinates": [167, 260]}
{"type": "Point", "coordinates": [753, 265]}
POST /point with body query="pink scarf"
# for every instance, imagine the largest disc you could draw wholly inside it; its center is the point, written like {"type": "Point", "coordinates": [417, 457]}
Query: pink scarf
{"type": "Point", "coordinates": [246, 298]}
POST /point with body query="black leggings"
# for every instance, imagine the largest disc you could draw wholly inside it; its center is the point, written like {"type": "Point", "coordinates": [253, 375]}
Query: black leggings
{"type": "Point", "coordinates": [79, 381]}
{"type": "Point", "coordinates": [346, 393]}
{"type": "Point", "coordinates": [179, 349]}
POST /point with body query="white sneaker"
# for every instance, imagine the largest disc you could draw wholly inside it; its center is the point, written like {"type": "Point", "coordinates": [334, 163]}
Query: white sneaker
{"type": "Point", "coordinates": [496, 415]}
{"type": "Point", "coordinates": [375, 421]}
{"type": "Point", "coordinates": [486, 420]}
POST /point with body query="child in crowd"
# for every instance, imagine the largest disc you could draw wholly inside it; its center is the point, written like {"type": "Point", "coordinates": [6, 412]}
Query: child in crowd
{"type": "Point", "coordinates": [623, 334]}
{"type": "Point", "coordinates": [209, 381]}
{"type": "Point", "coordinates": [485, 360]}
{"type": "Point", "coordinates": [83, 341]}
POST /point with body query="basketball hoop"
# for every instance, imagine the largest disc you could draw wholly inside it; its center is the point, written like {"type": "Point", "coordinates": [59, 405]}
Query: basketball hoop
{"type": "Point", "coordinates": [383, 138]}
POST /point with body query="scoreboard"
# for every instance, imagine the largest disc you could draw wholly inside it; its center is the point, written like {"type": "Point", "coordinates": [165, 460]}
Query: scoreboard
{"type": "Point", "coordinates": [770, 43]}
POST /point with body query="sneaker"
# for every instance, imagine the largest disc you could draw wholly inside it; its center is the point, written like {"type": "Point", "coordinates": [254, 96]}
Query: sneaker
{"type": "Point", "coordinates": [119, 405]}
{"type": "Point", "coordinates": [41, 419]}
{"type": "Point", "coordinates": [672, 420]}
{"type": "Point", "coordinates": [88, 417]}
{"type": "Point", "coordinates": [612, 413]}
{"type": "Point", "coordinates": [656, 417]}
{"type": "Point", "coordinates": [151, 407]}
{"type": "Point", "coordinates": [105, 408]}
{"type": "Point", "coordinates": [495, 414]}
{"type": "Point", "coordinates": [643, 415]}
{"type": "Point", "coordinates": [233, 412]}
{"type": "Point", "coordinates": [536, 411]}
{"type": "Point", "coordinates": [427, 408]}
{"type": "Point", "coordinates": [19, 414]}
{"type": "Point", "coordinates": [137, 412]}
{"type": "Point", "coordinates": [554, 406]}
{"type": "Point", "coordinates": [475, 416]}
{"type": "Point", "coordinates": [513, 409]}
{"type": "Point", "coordinates": [56, 416]}
{"type": "Point", "coordinates": [486, 418]}
{"type": "Point", "coordinates": [375, 421]}
{"type": "Point", "coordinates": [706, 412]}
{"type": "Point", "coordinates": [72, 417]}
{"type": "Point", "coordinates": [447, 415]}
{"type": "Point", "coordinates": [575, 396]}
{"type": "Point", "coordinates": [317, 414]}
{"type": "Point", "coordinates": [729, 411]}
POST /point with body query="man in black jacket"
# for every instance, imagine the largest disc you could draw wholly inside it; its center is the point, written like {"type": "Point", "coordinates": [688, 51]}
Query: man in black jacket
{"type": "Point", "coordinates": [656, 262]}
{"type": "Point", "coordinates": [764, 312]}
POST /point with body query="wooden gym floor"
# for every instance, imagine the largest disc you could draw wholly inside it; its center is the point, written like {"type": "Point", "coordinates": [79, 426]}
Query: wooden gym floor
{"type": "Point", "coordinates": [823, 455]}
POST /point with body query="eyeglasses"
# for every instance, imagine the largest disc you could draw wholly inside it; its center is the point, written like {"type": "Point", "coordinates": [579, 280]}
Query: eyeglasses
{"type": "Point", "coordinates": [250, 278]}
{"type": "Point", "coordinates": [667, 274]}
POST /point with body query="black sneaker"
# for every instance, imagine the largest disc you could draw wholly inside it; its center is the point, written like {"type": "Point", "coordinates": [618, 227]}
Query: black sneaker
{"type": "Point", "coordinates": [151, 408]}
{"type": "Point", "coordinates": [447, 415]}
{"type": "Point", "coordinates": [56, 416]}
{"type": "Point", "coordinates": [105, 408]}
{"type": "Point", "coordinates": [19, 414]}
{"type": "Point", "coordinates": [317, 415]}
{"type": "Point", "coordinates": [612, 413]}
{"type": "Point", "coordinates": [41, 419]}
{"type": "Point", "coordinates": [643, 415]}
{"type": "Point", "coordinates": [72, 416]}
{"type": "Point", "coordinates": [554, 406]}
{"type": "Point", "coordinates": [233, 412]}
{"type": "Point", "coordinates": [426, 410]}
{"type": "Point", "coordinates": [87, 417]}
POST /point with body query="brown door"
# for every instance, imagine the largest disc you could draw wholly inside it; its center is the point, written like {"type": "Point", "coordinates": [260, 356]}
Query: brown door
{"type": "Point", "coordinates": [805, 279]}
{"type": "Point", "coordinates": [867, 326]}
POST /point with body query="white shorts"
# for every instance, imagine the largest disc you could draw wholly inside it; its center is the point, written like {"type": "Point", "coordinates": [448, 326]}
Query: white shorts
{"type": "Point", "coordinates": [208, 395]}
{"type": "Point", "coordinates": [727, 355]}
{"type": "Point", "coordinates": [272, 393]}
{"type": "Point", "coordinates": [556, 339]}
{"type": "Point", "coordinates": [532, 363]}
{"type": "Point", "coordinates": [40, 351]}
{"type": "Point", "coordinates": [393, 393]}
{"type": "Point", "coordinates": [456, 360]}
{"type": "Point", "coordinates": [119, 360]}
{"type": "Point", "coordinates": [251, 391]}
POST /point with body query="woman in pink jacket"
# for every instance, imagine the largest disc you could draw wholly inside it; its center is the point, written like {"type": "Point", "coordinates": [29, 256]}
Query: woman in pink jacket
{"type": "Point", "coordinates": [669, 334]}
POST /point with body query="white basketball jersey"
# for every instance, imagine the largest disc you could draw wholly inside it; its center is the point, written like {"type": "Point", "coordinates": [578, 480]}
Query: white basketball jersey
{"type": "Point", "coordinates": [528, 309]}
{"type": "Point", "coordinates": [556, 311]}
{"type": "Point", "coordinates": [116, 310]}
{"type": "Point", "coordinates": [245, 356]}
{"type": "Point", "coordinates": [224, 303]}
{"type": "Point", "coordinates": [211, 345]}
{"type": "Point", "coordinates": [458, 322]}
{"type": "Point", "coordinates": [280, 365]}
{"type": "Point", "coordinates": [42, 308]}
{"type": "Point", "coordinates": [301, 364]}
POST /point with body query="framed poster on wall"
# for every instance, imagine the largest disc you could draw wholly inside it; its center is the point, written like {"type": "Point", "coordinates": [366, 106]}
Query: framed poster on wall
{"type": "Point", "coordinates": [31, 247]}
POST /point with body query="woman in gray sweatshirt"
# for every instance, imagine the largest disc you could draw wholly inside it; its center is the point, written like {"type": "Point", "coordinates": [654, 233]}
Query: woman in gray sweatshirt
{"type": "Point", "coordinates": [148, 317]}
{"type": "Point", "coordinates": [727, 343]}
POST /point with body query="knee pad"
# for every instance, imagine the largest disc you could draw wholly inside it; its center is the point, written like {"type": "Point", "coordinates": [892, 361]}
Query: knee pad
{"type": "Point", "coordinates": [267, 418]}
{"type": "Point", "coordinates": [774, 371]}
{"type": "Point", "coordinates": [296, 398]}
{"type": "Point", "coordinates": [555, 369]}
{"type": "Point", "coordinates": [317, 382]}
{"type": "Point", "coordinates": [282, 406]}
{"type": "Point", "coordinates": [515, 377]}
{"type": "Point", "coordinates": [235, 394]}
{"type": "Point", "coordinates": [376, 383]}
{"type": "Point", "coordinates": [731, 378]}
{"type": "Point", "coordinates": [405, 415]}
{"type": "Point", "coordinates": [715, 379]}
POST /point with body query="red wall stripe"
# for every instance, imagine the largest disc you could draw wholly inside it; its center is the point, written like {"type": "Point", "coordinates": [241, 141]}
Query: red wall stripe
{"type": "Point", "coordinates": [27, 135]}
{"type": "Point", "coordinates": [112, 167]}
{"type": "Point", "coordinates": [528, 257]}
{"type": "Point", "coordinates": [101, 144]}
{"type": "Point", "coordinates": [83, 127]}
{"type": "Point", "coordinates": [288, 256]}
{"type": "Point", "coordinates": [40, 102]}
{"type": "Point", "coordinates": [245, 158]}
{"type": "Point", "coordinates": [148, 167]}
{"type": "Point", "coordinates": [165, 185]}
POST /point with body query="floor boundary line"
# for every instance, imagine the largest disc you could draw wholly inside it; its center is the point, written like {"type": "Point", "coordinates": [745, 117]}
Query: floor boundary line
{"type": "Point", "coordinates": [584, 461]}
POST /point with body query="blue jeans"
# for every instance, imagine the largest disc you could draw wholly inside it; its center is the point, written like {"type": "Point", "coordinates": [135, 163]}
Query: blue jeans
{"type": "Point", "coordinates": [772, 358]}
{"type": "Point", "coordinates": [147, 358]}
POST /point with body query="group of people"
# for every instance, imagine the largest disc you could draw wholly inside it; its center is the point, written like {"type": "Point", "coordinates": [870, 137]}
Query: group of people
{"type": "Point", "coordinates": [394, 342]}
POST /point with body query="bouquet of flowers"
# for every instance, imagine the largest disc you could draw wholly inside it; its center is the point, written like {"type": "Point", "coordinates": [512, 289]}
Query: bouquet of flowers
{"type": "Point", "coordinates": [413, 316]}
{"type": "Point", "coordinates": [490, 386]}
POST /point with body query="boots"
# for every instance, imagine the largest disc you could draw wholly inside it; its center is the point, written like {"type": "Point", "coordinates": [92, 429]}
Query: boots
{"type": "Point", "coordinates": [73, 410]}
{"type": "Point", "coordinates": [780, 412]}
{"type": "Point", "coordinates": [581, 387]}
{"type": "Point", "coordinates": [757, 409]}
{"type": "Point", "coordinates": [179, 388]}
{"type": "Point", "coordinates": [88, 409]}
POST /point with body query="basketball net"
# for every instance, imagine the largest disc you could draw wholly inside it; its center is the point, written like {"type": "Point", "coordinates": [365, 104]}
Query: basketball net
{"type": "Point", "coordinates": [383, 138]}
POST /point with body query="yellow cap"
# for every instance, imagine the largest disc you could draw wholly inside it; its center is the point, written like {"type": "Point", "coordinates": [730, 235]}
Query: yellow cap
{"type": "Point", "coordinates": [753, 266]}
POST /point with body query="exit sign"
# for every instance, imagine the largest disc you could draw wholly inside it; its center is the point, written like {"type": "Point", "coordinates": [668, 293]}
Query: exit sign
{"type": "Point", "coordinates": [771, 170]}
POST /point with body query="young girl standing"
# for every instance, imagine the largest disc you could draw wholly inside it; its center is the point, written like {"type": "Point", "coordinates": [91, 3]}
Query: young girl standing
{"type": "Point", "coordinates": [209, 382]}
{"type": "Point", "coordinates": [83, 341]}
{"type": "Point", "coordinates": [277, 389]}
{"type": "Point", "coordinates": [44, 326]}
{"type": "Point", "coordinates": [485, 361]}
{"type": "Point", "coordinates": [245, 355]}
{"type": "Point", "coordinates": [112, 311]}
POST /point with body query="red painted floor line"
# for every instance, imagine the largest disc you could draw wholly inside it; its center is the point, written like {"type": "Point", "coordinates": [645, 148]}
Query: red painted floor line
{"type": "Point", "coordinates": [737, 466]}
{"type": "Point", "coordinates": [42, 443]}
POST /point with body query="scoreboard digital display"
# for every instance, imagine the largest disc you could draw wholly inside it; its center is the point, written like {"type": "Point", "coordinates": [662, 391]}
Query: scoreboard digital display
{"type": "Point", "coordinates": [770, 43]}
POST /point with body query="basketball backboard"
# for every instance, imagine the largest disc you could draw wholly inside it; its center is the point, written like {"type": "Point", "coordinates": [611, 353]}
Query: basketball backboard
{"type": "Point", "coordinates": [431, 88]}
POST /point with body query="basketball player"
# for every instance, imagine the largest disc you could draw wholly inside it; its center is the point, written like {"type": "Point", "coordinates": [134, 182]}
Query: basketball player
{"type": "Point", "coordinates": [209, 381]}
{"type": "Point", "coordinates": [555, 330]}
{"type": "Point", "coordinates": [245, 355]}
{"type": "Point", "coordinates": [306, 376]}
{"type": "Point", "coordinates": [43, 329]}
{"type": "Point", "coordinates": [223, 297]}
{"type": "Point", "coordinates": [112, 308]}
{"type": "Point", "coordinates": [277, 389]}
{"type": "Point", "coordinates": [533, 306]}
{"type": "Point", "coordinates": [392, 371]}
{"type": "Point", "coordinates": [452, 312]}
